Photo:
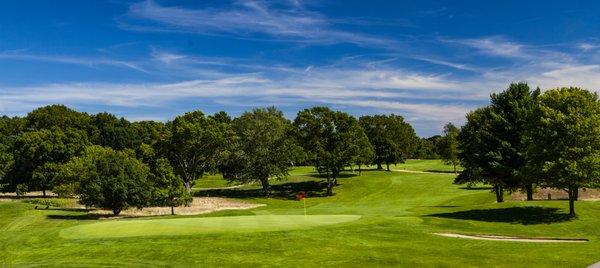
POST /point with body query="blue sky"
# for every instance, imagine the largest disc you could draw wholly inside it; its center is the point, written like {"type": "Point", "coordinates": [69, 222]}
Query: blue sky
{"type": "Point", "coordinates": [429, 61]}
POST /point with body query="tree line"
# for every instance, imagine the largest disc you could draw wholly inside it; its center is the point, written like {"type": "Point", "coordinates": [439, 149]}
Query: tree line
{"type": "Point", "coordinates": [111, 163]}
{"type": "Point", "coordinates": [526, 139]}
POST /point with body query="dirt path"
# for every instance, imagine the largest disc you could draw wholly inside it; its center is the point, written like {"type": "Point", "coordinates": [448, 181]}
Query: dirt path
{"type": "Point", "coordinates": [515, 238]}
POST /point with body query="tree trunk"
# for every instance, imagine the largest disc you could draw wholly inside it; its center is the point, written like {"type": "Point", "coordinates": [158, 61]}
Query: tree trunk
{"type": "Point", "coordinates": [329, 187]}
{"type": "Point", "coordinates": [387, 166]}
{"type": "Point", "coordinates": [172, 210]}
{"type": "Point", "coordinates": [576, 193]}
{"type": "Point", "coordinates": [529, 190]}
{"type": "Point", "coordinates": [379, 166]}
{"type": "Point", "coordinates": [572, 193]}
{"type": "Point", "coordinates": [188, 186]}
{"type": "Point", "coordinates": [265, 186]}
{"type": "Point", "coordinates": [359, 170]}
{"type": "Point", "coordinates": [116, 211]}
{"type": "Point", "coordinates": [454, 165]}
{"type": "Point", "coordinates": [499, 193]}
{"type": "Point", "coordinates": [43, 192]}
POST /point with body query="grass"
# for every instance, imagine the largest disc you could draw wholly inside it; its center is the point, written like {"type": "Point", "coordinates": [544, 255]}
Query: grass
{"type": "Point", "coordinates": [398, 214]}
{"type": "Point", "coordinates": [192, 226]}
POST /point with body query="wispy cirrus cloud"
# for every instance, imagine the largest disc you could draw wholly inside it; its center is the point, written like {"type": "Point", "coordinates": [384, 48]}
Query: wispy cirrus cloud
{"type": "Point", "coordinates": [389, 90]}
{"type": "Point", "coordinates": [23, 55]}
{"type": "Point", "coordinates": [246, 20]}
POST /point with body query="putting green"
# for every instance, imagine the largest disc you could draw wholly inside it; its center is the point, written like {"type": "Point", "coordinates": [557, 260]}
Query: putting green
{"type": "Point", "coordinates": [190, 226]}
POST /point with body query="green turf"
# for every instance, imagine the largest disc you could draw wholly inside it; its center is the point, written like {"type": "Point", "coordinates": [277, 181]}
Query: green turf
{"type": "Point", "coordinates": [399, 212]}
{"type": "Point", "coordinates": [425, 165]}
{"type": "Point", "coordinates": [191, 226]}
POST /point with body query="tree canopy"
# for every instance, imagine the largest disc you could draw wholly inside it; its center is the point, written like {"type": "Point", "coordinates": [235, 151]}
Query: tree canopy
{"type": "Point", "coordinates": [393, 139]}
{"type": "Point", "coordinates": [108, 179]}
{"type": "Point", "coordinates": [265, 148]}
{"type": "Point", "coordinates": [329, 139]}
{"type": "Point", "coordinates": [447, 146]}
{"type": "Point", "coordinates": [563, 141]}
{"type": "Point", "coordinates": [195, 144]}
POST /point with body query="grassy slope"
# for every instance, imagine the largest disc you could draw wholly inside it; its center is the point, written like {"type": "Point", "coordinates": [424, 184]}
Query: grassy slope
{"type": "Point", "coordinates": [395, 229]}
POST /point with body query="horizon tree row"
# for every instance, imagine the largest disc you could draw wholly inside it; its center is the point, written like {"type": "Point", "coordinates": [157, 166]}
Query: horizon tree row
{"type": "Point", "coordinates": [526, 139]}
{"type": "Point", "coordinates": [59, 149]}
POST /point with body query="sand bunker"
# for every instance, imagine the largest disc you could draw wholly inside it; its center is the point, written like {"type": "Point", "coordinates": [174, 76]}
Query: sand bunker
{"type": "Point", "coordinates": [200, 205]}
{"type": "Point", "coordinates": [557, 194]}
{"type": "Point", "coordinates": [514, 238]}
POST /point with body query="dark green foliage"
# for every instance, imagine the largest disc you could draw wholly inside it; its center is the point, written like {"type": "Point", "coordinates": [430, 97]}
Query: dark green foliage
{"type": "Point", "coordinates": [447, 146]}
{"type": "Point", "coordinates": [21, 189]}
{"type": "Point", "coordinates": [108, 179]}
{"type": "Point", "coordinates": [57, 116]}
{"type": "Point", "coordinates": [364, 154]}
{"type": "Point", "coordinates": [265, 148]}
{"type": "Point", "coordinates": [221, 117]}
{"type": "Point", "coordinates": [329, 139]}
{"type": "Point", "coordinates": [110, 131]}
{"type": "Point", "coordinates": [563, 141]}
{"type": "Point", "coordinates": [427, 148]}
{"type": "Point", "coordinates": [477, 152]}
{"type": "Point", "coordinates": [36, 151]}
{"type": "Point", "coordinates": [10, 128]}
{"type": "Point", "coordinates": [167, 188]}
{"type": "Point", "coordinates": [393, 139]}
{"type": "Point", "coordinates": [492, 141]}
{"type": "Point", "coordinates": [195, 145]}
{"type": "Point", "coordinates": [149, 132]}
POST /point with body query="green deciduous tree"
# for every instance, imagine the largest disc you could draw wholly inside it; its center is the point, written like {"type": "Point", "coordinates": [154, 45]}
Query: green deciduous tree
{"type": "Point", "coordinates": [393, 139]}
{"type": "Point", "coordinates": [195, 144]}
{"type": "Point", "coordinates": [57, 116]}
{"type": "Point", "coordinates": [10, 128]}
{"type": "Point", "coordinates": [265, 148]}
{"type": "Point", "coordinates": [563, 141]}
{"type": "Point", "coordinates": [477, 152]}
{"type": "Point", "coordinates": [327, 138]}
{"type": "Point", "coordinates": [495, 136]}
{"type": "Point", "coordinates": [427, 148]}
{"type": "Point", "coordinates": [167, 188]}
{"type": "Point", "coordinates": [364, 154]}
{"type": "Point", "coordinates": [510, 113]}
{"type": "Point", "coordinates": [110, 131]}
{"type": "Point", "coordinates": [448, 148]}
{"type": "Point", "coordinates": [107, 179]}
{"type": "Point", "coordinates": [34, 152]}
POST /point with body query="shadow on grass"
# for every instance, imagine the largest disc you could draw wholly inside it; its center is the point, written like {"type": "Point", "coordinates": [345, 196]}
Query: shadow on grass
{"type": "Point", "coordinates": [78, 217]}
{"type": "Point", "coordinates": [341, 176]}
{"type": "Point", "coordinates": [442, 171]}
{"type": "Point", "coordinates": [25, 197]}
{"type": "Point", "coordinates": [477, 188]}
{"type": "Point", "coordinates": [517, 215]}
{"type": "Point", "coordinates": [282, 191]}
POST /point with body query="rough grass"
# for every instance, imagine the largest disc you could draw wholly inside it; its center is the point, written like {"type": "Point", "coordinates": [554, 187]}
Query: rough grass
{"type": "Point", "coordinates": [399, 214]}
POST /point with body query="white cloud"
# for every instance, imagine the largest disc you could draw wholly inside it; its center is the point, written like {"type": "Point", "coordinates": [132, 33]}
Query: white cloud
{"type": "Point", "coordinates": [245, 19]}
{"type": "Point", "coordinates": [22, 55]}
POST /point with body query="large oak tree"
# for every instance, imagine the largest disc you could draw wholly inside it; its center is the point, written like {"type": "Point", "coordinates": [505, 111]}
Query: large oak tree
{"type": "Point", "coordinates": [329, 139]}
{"type": "Point", "coordinates": [195, 144]}
{"type": "Point", "coordinates": [265, 148]}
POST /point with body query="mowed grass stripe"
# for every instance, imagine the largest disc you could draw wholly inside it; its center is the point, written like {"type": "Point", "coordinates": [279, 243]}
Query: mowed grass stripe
{"type": "Point", "coordinates": [190, 226]}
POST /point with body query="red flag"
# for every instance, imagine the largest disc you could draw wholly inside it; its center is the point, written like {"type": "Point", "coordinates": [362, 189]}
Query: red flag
{"type": "Point", "coordinates": [301, 195]}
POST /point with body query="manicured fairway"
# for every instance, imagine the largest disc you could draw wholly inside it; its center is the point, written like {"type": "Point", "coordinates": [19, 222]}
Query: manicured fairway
{"type": "Point", "coordinates": [190, 226]}
{"type": "Point", "coordinates": [399, 214]}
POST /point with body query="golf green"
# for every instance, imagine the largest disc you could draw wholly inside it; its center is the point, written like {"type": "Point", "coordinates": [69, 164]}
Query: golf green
{"type": "Point", "coordinates": [190, 226]}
